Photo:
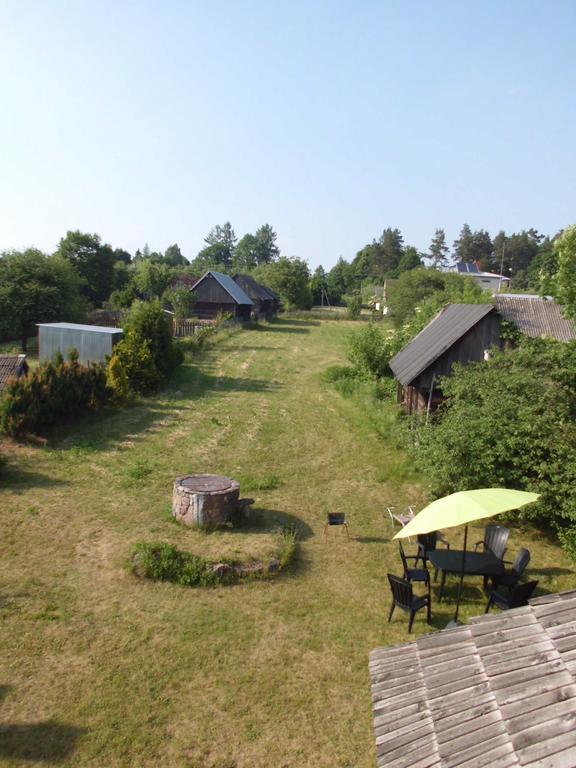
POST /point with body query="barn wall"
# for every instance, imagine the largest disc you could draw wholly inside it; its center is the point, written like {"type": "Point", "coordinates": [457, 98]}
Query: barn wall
{"type": "Point", "coordinates": [470, 348]}
{"type": "Point", "coordinates": [209, 290]}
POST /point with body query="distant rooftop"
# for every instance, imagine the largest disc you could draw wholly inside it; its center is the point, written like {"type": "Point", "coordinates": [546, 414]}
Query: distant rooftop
{"type": "Point", "coordinates": [229, 286]}
{"type": "Point", "coordinates": [80, 327]}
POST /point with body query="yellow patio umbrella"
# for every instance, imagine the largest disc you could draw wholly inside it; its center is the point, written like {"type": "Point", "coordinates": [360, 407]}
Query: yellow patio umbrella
{"type": "Point", "coordinates": [462, 508]}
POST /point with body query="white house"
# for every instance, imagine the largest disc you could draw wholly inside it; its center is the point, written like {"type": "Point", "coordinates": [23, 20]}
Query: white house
{"type": "Point", "coordinates": [489, 281]}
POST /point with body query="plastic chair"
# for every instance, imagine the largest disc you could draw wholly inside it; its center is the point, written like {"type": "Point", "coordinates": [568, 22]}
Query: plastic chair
{"type": "Point", "coordinates": [403, 519]}
{"type": "Point", "coordinates": [336, 518]}
{"type": "Point", "coordinates": [495, 540]}
{"type": "Point", "coordinates": [428, 542]}
{"type": "Point", "coordinates": [517, 598]}
{"type": "Point", "coordinates": [511, 578]}
{"type": "Point", "coordinates": [413, 574]}
{"type": "Point", "coordinates": [403, 598]}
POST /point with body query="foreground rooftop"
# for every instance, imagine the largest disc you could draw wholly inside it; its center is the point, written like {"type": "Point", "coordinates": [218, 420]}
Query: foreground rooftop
{"type": "Point", "coordinates": [498, 692]}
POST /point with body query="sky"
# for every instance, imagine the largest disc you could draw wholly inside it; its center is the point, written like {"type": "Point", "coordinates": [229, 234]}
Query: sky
{"type": "Point", "coordinates": [150, 122]}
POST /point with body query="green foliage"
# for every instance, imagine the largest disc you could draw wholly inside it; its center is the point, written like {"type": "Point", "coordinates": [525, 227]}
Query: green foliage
{"type": "Point", "coordinates": [131, 368]}
{"type": "Point", "coordinates": [354, 304]}
{"type": "Point", "coordinates": [164, 562]}
{"type": "Point", "coordinates": [510, 422]}
{"type": "Point", "coordinates": [151, 279]}
{"type": "Point", "coordinates": [412, 290]}
{"type": "Point", "coordinates": [289, 278]}
{"type": "Point", "coordinates": [94, 262]}
{"type": "Point", "coordinates": [182, 301]}
{"type": "Point", "coordinates": [288, 546]}
{"type": "Point", "coordinates": [369, 351]}
{"type": "Point", "coordinates": [564, 281]}
{"type": "Point", "coordinates": [148, 321]}
{"type": "Point", "coordinates": [173, 257]}
{"type": "Point", "coordinates": [35, 288]}
{"type": "Point", "coordinates": [338, 373]}
{"type": "Point", "coordinates": [439, 250]}
{"type": "Point", "coordinates": [51, 393]}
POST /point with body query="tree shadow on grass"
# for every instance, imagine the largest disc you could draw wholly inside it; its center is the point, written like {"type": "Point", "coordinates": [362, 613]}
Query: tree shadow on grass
{"type": "Point", "coordinates": [370, 539]}
{"type": "Point", "coordinates": [280, 329]}
{"type": "Point", "coordinates": [535, 572]}
{"type": "Point", "coordinates": [113, 426]}
{"type": "Point", "coordinates": [49, 742]}
{"type": "Point", "coordinates": [19, 479]}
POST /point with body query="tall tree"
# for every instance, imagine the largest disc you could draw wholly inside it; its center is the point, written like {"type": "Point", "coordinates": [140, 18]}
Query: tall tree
{"type": "Point", "coordinates": [290, 279]}
{"type": "Point", "coordinates": [464, 246]}
{"type": "Point", "coordinates": [224, 237]}
{"type": "Point", "coordinates": [151, 278]}
{"type": "Point", "coordinates": [35, 288]}
{"type": "Point", "coordinates": [318, 285]}
{"type": "Point", "coordinates": [93, 260]}
{"type": "Point", "coordinates": [410, 259]}
{"type": "Point", "coordinates": [246, 253]}
{"type": "Point", "coordinates": [173, 256]}
{"type": "Point", "coordinates": [482, 249]}
{"type": "Point", "coordinates": [439, 250]}
{"type": "Point", "coordinates": [266, 249]}
{"type": "Point", "coordinates": [340, 279]}
{"type": "Point", "coordinates": [391, 250]}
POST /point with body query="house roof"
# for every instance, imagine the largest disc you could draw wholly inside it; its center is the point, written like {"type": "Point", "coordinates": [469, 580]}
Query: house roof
{"type": "Point", "coordinates": [535, 316]}
{"type": "Point", "coordinates": [11, 366]}
{"type": "Point", "coordinates": [500, 691]}
{"type": "Point", "coordinates": [80, 327]}
{"type": "Point", "coordinates": [252, 288]}
{"type": "Point", "coordinates": [229, 286]}
{"type": "Point", "coordinates": [440, 334]}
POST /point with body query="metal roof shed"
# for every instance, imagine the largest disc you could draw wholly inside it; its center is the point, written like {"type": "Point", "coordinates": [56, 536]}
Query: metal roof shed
{"type": "Point", "coordinates": [93, 342]}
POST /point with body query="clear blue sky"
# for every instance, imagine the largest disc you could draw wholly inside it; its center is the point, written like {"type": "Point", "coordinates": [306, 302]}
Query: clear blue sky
{"type": "Point", "coordinates": [153, 121]}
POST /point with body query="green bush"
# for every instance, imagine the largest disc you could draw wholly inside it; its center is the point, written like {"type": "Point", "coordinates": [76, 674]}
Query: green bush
{"type": "Point", "coordinates": [131, 368]}
{"type": "Point", "coordinates": [164, 562]}
{"type": "Point", "coordinates": [339, 372]}
{"type": "Point", "coordinates": [50, 393]}
{"type": "Point", "coordinates": [288, 546]}
{"type": "Point", "coordinates": [354, 306]}
{"type": "Point", "coordinates": [369, 351]}
{"type": "Point", "coordinates": [148, 323]}
{"type": "Point", "coordinates": [510, 422]}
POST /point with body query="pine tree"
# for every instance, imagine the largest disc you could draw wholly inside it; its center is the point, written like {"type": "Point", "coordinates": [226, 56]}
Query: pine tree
{"type": "Point", "coordinates": [439, 250]}
{"type": "Point", "coordinates": [464, 246]}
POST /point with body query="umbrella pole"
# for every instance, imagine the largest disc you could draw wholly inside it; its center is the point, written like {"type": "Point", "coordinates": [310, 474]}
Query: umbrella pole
{"type": "Point", "coordinates": [461, 573]}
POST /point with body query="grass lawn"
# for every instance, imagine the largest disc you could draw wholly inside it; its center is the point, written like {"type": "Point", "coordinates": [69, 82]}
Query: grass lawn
{"type": "Point", "coordinates": [102, 670]}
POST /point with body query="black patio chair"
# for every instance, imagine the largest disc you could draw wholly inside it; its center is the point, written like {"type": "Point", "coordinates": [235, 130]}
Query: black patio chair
{"type": "Point", "coordinates": [518, 596]}
{"type": "Point", "coordinates": [404, 598]}
{"type": "Point", "coordinates": [428, 542]}
{"type": "Point", "coordinates": [336, 518]}
{"type": "Point", "coordinates": [495, 540]}
{"type": "Point", "coordinates": [511, 578]}
{"type": "Point", "coordinates": [413, 574]}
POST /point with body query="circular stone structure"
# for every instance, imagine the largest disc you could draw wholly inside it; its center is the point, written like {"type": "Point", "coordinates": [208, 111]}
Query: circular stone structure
{"type": "Point", "coordinates": [205, 501]}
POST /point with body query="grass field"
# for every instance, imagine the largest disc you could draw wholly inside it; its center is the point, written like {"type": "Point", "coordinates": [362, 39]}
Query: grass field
{"type": "Point", "coordinates": [100, 669]}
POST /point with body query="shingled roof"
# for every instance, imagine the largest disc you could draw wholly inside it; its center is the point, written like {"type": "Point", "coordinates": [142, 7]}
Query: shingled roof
{"type": "Point", "coordinates": [12, 366]}
{"type": "Point", "coordinates": [498, 692]}
{"type": "Point", "coordinates": [535, 316]}
{"type": "Point", "coordinates": [440, 334]}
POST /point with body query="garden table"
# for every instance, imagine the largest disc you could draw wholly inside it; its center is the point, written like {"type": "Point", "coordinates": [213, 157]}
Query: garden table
{"type": "Point", "coordinates": [475, 564]}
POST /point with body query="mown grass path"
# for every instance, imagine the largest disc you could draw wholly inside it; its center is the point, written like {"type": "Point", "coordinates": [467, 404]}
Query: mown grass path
{"type": "Point", "coordinates": [102, 670]}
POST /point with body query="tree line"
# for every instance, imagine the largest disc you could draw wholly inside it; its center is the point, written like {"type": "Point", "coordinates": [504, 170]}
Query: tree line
{"type": "Point", "coordinates": [527, 257]}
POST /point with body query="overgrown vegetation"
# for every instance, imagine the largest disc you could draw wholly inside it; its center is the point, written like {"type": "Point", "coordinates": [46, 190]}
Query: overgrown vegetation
{"type": "Point", "coordinates": [161, 561]}
{"type": "Point", "coordinates": [54, 391]}
{"type": "Point", "coordinates": [147, 355]}
{"type": "Point", "coordinates": [510, 422]}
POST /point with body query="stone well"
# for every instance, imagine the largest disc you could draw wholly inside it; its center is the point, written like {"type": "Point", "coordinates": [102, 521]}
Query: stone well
{"type": "Point", "coordinates": [205, 501]}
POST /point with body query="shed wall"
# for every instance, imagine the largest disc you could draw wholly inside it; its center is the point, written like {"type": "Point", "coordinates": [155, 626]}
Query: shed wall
{"type": "Point", "coordinates": [470, 348]}
{"type": "Point", "coordinates": [92, 346]}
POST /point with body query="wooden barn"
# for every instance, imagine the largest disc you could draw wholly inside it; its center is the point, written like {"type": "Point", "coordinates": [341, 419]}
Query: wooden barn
{"type": "Point", "coordinates": [265, 302]}
{"type": "Point", "coordinates": [217, 293]}
{"type": "Point", "coordinates": [460, 333]}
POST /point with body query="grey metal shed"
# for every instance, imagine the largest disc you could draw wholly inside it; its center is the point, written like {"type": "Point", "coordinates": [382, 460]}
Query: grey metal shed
{"type": "Point", "coordinates": [93, 342]}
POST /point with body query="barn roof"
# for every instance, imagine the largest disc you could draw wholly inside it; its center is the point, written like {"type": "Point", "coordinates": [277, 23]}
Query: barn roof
{"type": "Point", "coordinates": [440, 334]}
{"type": "Point", "coordinates": [229, 286]}
{"type": "Point", "coordinates": [80, 327]}
{"type": "Point", "coordinates": [535, 316]}
{"type": "Point", "coordinates": [252, 288]}
{"type": "Point", "coordinates": [11, 366]}
{"type": "Point", "coordinates": [500, 691]}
